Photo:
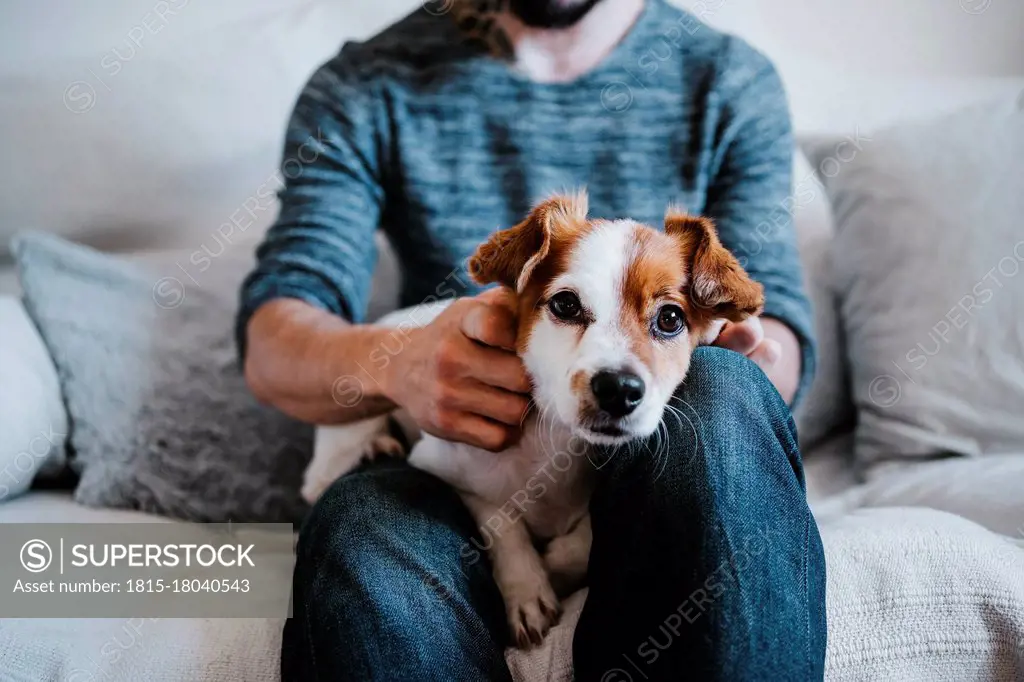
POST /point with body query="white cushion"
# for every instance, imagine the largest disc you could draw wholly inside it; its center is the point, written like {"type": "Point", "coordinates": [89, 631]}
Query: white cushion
{"type": "Point", "coordinates": [929, 262]}
{"type": "Point", "coordinates": [917, 594]}
{"type": "Point", "coordinates": [984, 490]}
{"type": "Point", "coordinates": [827, 404]}
{"type": "Point", "coordinates": [135, 649]}
{"type": "Point", "coordinates": [33, 422]}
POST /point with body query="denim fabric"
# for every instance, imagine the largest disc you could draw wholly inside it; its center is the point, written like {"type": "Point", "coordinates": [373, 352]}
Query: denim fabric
{"type": "Point", "coordinates": [420, 132]}
{"type": "Point", "coordinates": [706, 562]}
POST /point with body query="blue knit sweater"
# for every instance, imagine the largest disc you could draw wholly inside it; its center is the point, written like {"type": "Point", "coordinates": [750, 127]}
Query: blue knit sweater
{"type": "Point", "coordinates": [420, 132]}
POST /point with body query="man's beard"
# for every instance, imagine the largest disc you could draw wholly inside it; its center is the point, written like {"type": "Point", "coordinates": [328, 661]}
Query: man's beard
{"type": "Point", "coordinates": [550, 13]}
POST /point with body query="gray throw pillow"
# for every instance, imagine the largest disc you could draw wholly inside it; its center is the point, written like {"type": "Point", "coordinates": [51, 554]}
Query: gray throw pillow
{"type": "Point", "coordinates": [160, 417]}
{"type": "Point", "coordinates": [929, 265]}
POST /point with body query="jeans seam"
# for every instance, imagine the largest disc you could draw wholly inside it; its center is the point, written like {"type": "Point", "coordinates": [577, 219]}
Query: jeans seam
{"type": "Point", "coordinates": [309, 641]}
{"type": "Point", "coordinates": [807, 593]}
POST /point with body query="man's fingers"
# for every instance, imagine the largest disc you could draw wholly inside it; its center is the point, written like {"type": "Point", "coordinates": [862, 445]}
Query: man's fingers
{"type": "Point", "coordinates": [484, 433]}
{"type": "Point", "coordinates": [494, 403]}
{"type": "Point", "coordinates": [768, 354]}
{"type": "Point", "coordinates": [497, 296]}
{"type": "Point", "coordinates": [492, 325]}
{"type": "Point", "coordinates": [742, 337]}
{"type": "Point", "coordinates": [500, 369]}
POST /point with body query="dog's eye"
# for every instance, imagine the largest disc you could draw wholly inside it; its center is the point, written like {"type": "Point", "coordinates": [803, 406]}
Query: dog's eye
{"type": "Point", "coordinates": [670, 321]}
{"type": "Point", "coordinates": [565, 305]}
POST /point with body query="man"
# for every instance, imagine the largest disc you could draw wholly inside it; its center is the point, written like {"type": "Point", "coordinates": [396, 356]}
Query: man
{"type": "Point", "coordinates": [441, 129]}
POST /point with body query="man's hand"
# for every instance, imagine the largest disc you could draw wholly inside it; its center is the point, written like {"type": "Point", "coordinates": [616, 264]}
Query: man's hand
{"type": "Point", "coordinates": [770, 344]}
{"type": "Point", "coordinates": [459, 376]}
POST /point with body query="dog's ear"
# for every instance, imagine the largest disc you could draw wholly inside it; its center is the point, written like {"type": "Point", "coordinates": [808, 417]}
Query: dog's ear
{"type": "Point", "coordinates": [717, 282]}
{"type": "Point", "coordinates": [510, 256]}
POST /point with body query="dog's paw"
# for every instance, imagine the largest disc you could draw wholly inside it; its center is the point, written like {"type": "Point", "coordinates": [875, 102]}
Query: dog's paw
{"type": "Point", "coordinates": [388, 446]}
{"type": "Point", "coordinates": [532, 610]}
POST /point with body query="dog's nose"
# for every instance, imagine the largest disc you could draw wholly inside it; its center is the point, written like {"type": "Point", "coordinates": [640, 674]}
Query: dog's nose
{"type": "Point", "coordinates": [617, 393]}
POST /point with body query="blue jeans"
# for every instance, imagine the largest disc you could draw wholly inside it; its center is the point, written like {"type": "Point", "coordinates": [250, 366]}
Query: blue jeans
{"type": "Point", "coordinates": [706, 562]}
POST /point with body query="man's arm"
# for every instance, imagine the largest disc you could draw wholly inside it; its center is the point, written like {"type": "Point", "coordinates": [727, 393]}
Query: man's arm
{"type": "Point", "coordinates": [749, 199]}
{"type": "Point", "coordinates": [299, 328]}
{"type": "Point", "coordinates": [458, 376]}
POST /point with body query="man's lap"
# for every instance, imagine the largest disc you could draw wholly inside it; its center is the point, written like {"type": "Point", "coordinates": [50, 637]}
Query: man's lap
{"type": "Point", "coordinates": [388, 568]}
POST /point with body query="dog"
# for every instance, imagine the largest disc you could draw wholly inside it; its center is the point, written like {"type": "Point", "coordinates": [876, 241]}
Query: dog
{"type": "Point", "coordinates": [609, 313]}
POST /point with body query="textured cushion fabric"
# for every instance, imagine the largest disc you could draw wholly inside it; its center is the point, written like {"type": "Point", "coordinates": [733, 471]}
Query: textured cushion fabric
{"type": "Point", "coordinates": [141, 649]}
{"type": "Point", "coordinates": [161, 419]}
{"type": "Point", "coordinates": [928, 261]}
{"type": "Point", "coordinates": [33, 422]}
{"type": "Point", "coordinates": [827, 405]}
{"type": "Point", "coordinates": [918, 594]}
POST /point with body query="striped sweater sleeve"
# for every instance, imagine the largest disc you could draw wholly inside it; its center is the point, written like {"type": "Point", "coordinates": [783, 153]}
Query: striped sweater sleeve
{"type": "Point", "coordinates": [749, 192]}
{"type": "Point", "coordinates": [321, 247]}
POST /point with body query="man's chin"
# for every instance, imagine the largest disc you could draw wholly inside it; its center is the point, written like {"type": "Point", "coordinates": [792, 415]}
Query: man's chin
{"type": "Point", "coordinates": [550, 13]}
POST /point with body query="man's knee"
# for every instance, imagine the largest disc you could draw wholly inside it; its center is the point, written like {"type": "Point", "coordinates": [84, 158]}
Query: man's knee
{"type": "Point", "coordinates": [382, 523]}
{"type": "Point", "coordinates": [726, 422]}
{"type": "Point", "coordinates": [348, 506]}
{"type": "Point", "coordinates": [722, 381]}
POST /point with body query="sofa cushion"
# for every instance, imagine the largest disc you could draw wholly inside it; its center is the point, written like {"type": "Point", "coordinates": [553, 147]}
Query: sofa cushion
{"type": "Point", "coordinates": [161, 419]}
{"type": "Point", "coordinates": [33, 422]}
{"type": "Point", "coordinates": [827, 405]}
{"type": "Point", "coordinates": [928, 261]}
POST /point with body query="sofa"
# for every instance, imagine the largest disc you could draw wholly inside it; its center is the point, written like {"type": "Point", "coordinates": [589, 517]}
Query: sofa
{"type": "Point", "coordinates": [925, 557]}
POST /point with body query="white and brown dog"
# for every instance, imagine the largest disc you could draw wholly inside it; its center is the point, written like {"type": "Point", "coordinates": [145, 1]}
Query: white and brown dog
{"type": "Point", "coordinates": [609, 313]}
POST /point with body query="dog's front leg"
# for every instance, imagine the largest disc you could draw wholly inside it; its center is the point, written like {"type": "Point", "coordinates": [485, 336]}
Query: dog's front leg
{"type": "Point", "coordinates": [566, 558]}
{"type": "Point", "coordinates": [531, 605]}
